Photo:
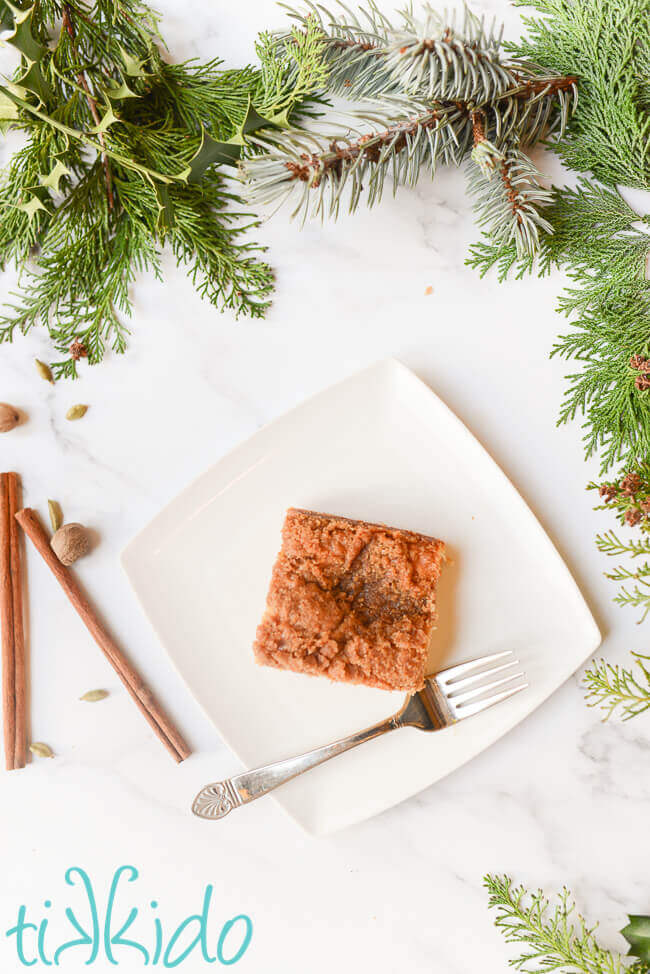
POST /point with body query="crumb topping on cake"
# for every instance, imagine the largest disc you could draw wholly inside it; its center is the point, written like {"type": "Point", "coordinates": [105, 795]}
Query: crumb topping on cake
{"type": "Point", "coordinates": [351, 600]}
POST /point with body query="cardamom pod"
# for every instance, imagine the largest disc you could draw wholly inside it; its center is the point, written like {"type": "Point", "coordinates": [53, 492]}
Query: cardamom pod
{"type": "Point", "coordinates": [76, 412]}
{"type": "Point", "coordinates": [44, 371]}
{"type": "Point", "coordinates": [92, 696]}
{"type": "Point", "coordinates": [42, 750]}
{"type": "Point", "coordinates": [56, 514]}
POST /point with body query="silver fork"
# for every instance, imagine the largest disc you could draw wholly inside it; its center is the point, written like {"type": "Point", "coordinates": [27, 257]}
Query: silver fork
{"type": "Point", "coordinates": [451, 695]}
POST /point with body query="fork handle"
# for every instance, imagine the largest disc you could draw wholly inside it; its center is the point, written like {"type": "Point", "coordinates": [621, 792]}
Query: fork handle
{"type": "Point", "coordinates": [216, 800]}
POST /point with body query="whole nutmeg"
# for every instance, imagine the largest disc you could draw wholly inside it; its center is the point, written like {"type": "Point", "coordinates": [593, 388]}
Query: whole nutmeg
{"type": "Point", "coordinates": [9, 417]}
{"type": "Point", "coordinates": [70, 542]}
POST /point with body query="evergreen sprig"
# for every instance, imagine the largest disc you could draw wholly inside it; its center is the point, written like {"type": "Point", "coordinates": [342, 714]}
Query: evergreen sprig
{"type": "Point", "coordinates": [600, 241]}
{"type": "Point", "coordinates": [611, 687]}
{"type": "Point", "coordinates": [435, 91]}
{"type": "Point", "coordinates": [352, 43]}
{"type": "Point", "coordinates": [629, 499]}
{"type": "Point", "coordinates": [619, 689]}
{"type": "Point", "coordinates": [554, 937]}
{"type": "Point", "coordinates": [603, 245]}
{"type": "Point", "coordinates": [504, 183]}
{"type": "Point", "coordinates": [119, 159]}
{"type": "Point", "coordinates": [429, 91]}
{"type": "Point", "coordinates": [606, 44]}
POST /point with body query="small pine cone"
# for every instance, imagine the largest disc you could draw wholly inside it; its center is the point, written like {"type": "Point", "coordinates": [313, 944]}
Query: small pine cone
{"type": "Point", "coordinates": [78, 350]}
{"type": "Point", "coordinates": [630, 484]}
{"type": "Point", "coordinates": [642, 382]}
{"type": "Point", "coordinates": [637, 362]}
{"type": "Point", "coordinates": [645, 506]}
{"type": "Point", "coordinates": [633, 516]}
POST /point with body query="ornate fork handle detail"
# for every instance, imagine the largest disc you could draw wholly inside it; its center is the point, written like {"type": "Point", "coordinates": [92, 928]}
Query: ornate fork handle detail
{"type": "Point", "coordinates": [216, 800]}
{"type": "Point", "coordinates": [219, 798]}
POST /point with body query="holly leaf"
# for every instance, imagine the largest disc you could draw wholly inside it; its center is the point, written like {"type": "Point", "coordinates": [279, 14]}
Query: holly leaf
{"type": "Point", "coordinates": [11, 89]}
{"type": "Point", "coordinates": [117, 92]}
{"type": "Point", "coordinates": [165, 220]}
{"type": "Point", "coordinates": [227, 153]}
{"type": "Point", "coordinates": [30, 48]}
{"type": "Point", "coordinates": [32, 206]}
{"type": "Point", "coordinates": [33, 80]}
{"type": "Point", "coordinates": [6, 16]}
{"type": "Point", "coordinates": [637, 934]}
{"type": "Point", "coordinates": [22, 37]}
{"type": "Point", "coordinates": [53, 178]}
{"type": "Point", "coordinates": [8, 109]}
{"type": "Point", "coordinates": [252, 121]}
{"type": "Point", "coordinates": [108, 119]}
{"type": "Point", "coordinates": [210, 152]}
{"type": "Point", "coordinates": [132, 65]}
{"type": "Point", "coordinates": [280, 120]}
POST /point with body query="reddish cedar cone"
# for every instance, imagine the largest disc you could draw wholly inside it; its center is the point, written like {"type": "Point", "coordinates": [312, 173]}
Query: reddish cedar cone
{"type": "Point", "coordinates": [630, 484]}
{"type": "Point", "coordinates": [640, 363]}
{"type": "Point", "coordinates": [608, 492]}
{"type": "Point", "coordinates": [78, 350]}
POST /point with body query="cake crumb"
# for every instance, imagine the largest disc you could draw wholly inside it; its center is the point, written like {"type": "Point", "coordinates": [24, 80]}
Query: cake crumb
{"type": "Point", "coordinates": [352, 601]}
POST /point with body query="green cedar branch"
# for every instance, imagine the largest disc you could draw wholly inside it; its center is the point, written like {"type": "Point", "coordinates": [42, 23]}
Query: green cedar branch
{"type": "Point", "coordinates": [80, 230]}
{"type": "Point", "coordinates": [628, 497]}
{"type": "Point", "coordinates": [602, 244]}
{"type": "Point", "coordinates": [618, 689]}
{"type": "Point", "coordinates": [553, 936]}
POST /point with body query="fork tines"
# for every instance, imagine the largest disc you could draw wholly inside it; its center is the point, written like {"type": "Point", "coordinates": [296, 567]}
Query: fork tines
{"type": "Point", "coordinates": [480, 683]}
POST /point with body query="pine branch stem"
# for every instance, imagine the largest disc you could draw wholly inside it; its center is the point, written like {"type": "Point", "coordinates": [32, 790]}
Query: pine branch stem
{"type": "Point", "coordinates": [511, 193]}
{"type": "Point", "coordinates": [550, 86]}
{"type": "Point", "coordinates": [369, 146]}
{"type": "Point", "coordinates": [478, 127]}
{"type": "Point", "coordinates": [92, 104]}
{"type": "Point", "coordinates": [344, 43]}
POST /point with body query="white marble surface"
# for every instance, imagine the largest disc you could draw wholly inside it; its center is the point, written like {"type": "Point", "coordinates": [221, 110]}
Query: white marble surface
{"type": "Point", "coordinates": [562, 800]}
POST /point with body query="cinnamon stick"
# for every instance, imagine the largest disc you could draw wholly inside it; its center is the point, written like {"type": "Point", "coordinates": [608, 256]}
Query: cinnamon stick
{"type": "Point", "coordinates": [7, 625]}
{"type": "Point", "coordinates": [17, 578]}
{"type": "Point", "coordinates": [150, 709]}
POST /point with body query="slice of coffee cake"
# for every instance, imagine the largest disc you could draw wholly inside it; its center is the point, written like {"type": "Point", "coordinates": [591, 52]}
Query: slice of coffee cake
{"type": "Point", "coordinates": [352, 601]}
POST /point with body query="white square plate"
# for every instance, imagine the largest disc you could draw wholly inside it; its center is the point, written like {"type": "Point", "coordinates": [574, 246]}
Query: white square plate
{"type": "Point", "coordinates": [379, 446]}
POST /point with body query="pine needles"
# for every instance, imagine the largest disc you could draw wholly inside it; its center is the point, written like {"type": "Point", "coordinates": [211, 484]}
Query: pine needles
{"type": "Point", "coordinates": [554, 937]}
{"type": "Point", "coordinates": [505, 183]}
{"type": "Point", "coordinates": [429, 91]}
{"type": "Point", "coordinates": [119, 159]}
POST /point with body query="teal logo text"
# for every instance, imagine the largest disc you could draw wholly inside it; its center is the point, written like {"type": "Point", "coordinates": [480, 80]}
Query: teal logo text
{"type": "Point", "coordinates": [120, 932]}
